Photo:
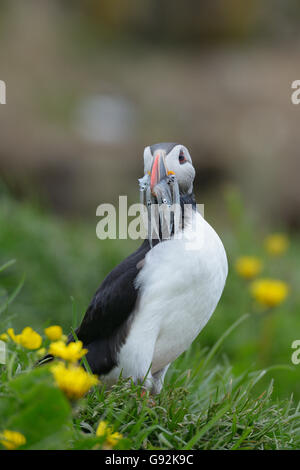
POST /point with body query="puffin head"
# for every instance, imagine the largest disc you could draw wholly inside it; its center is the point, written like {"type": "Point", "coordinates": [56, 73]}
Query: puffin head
{"type": "Point", "coordinates": [169, 160]}
{"type": "Point", "coordinates": [166, 187]}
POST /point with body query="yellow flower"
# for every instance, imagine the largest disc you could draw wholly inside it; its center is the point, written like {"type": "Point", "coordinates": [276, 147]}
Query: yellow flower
{"type": "Point", "coordinates": [74, 381]}
{"type": "Point", "coordinates": [54, 332]}
{"type": "Point", "coordinates": [71, 352]}
{"type": "Point", "coordinates": [102, 429]}
{"type": "Point", "coordinates": [248, 266]}
{"type": "Point", "coordinates": [269, 292]}
{"type": "Point", "coordinates": [4, 337]}
{"type": "Point", "coordinates": [12, 439]}
{"type": "Point", "coordinates": [112, 438]}
{"type": "Point", "coordinates": [276, 244]}
{"type": "Point", "coordinates": [29, 338]}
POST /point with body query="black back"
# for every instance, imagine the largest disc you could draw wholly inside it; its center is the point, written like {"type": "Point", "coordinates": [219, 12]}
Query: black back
{"type": "Point", "coordinates": [107, 320]}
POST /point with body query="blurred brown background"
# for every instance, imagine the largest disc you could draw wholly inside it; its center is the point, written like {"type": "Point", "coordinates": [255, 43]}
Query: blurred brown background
{"type": "Point", "coordinates": [91, 83]}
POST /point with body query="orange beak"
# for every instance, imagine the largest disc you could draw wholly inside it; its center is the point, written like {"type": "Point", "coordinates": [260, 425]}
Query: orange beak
{"type": "Point", "coordinates": [159, 170]}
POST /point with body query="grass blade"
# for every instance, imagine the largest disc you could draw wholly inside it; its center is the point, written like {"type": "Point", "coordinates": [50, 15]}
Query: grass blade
{"type": "Point", "coordinates": [7, 265]}
{"type": "Point", "coordinates": [191, 443]}
{"type": "Point", "coordinates": [218, 344]}
{"type": "Point", "coordinates": [12, 297]}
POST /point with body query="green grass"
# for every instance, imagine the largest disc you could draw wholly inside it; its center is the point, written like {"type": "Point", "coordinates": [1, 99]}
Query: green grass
{"type": "Point", "coordinates": [223, 393]}
{"type": "Point", "coordinates": [202, 406]}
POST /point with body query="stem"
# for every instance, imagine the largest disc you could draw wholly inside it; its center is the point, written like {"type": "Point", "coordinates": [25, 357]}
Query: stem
{"type": "Point", "coordinates": [266, 337]}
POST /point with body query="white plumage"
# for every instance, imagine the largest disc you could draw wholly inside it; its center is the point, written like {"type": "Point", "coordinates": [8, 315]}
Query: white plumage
{"type": "Point", "coordinates": [180, 286]}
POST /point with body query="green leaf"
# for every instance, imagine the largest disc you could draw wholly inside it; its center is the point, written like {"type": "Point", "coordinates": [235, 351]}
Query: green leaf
{"type": "Point", "coordinates": [37, 409]}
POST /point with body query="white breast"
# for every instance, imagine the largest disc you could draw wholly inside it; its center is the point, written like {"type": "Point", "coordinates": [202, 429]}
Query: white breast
{"type": "Point", "coordinates": [182, 282]}
{"type": "Point", "coordinates": [180, 286]}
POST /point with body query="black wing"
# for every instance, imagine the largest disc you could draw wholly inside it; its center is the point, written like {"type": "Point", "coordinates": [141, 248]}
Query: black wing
{"type": "Point", "coordinates": [105, 325]}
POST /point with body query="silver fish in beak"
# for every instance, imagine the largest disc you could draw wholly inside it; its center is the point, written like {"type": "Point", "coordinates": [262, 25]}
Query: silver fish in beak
{"type": "Point", "coordinates": [160, 193]}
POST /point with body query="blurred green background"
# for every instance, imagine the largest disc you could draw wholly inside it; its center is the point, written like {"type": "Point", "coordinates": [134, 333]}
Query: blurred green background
{"type": "Point", "coordinates": [90, 84]}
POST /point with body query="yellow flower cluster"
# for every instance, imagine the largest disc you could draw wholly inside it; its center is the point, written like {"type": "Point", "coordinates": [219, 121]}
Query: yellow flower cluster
{"type": "Point", "coordinates": [71, 352]}
{"type": "Point", "coordinates": [276, 244]}
{"type": "Point", "coordinates": [248, 266]}
{"type": "Point", "coordinates": [73, 380]}
{"type": "Point", "coordinates": [29, 338]}
{"type": "Point", "coordinates": [12, 439]}
{"type": "Point", "coordinates": [269, 292]}
{"type": "Point", "coordinates": [112, 438]}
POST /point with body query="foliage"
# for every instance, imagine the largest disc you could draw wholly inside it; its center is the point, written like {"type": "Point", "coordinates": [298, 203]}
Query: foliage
{"type": "Point", "coordinates": [207, 403]}
{"type": "Point", "coordinates": [201, 408]}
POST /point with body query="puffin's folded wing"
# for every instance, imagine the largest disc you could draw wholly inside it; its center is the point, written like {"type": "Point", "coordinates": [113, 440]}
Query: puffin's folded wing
{"type": "Point", "coordinates": [105, 325]}
{"type": "Point", "coordinates": [111, 306]}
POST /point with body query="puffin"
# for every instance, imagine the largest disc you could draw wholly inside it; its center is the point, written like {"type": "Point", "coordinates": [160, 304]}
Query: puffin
{"type": "Point", "coordinates": [152, 306]}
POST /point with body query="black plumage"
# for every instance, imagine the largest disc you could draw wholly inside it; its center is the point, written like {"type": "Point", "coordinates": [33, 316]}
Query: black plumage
{"type": "Point", "coordinates": [105, 325]}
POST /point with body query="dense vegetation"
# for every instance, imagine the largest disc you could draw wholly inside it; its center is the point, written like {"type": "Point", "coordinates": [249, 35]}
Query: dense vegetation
{"type": "Point", "coordinates": [233, 389]}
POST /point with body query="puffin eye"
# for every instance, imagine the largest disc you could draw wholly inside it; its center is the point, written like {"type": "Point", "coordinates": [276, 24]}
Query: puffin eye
{"type": "Point", "coordinates": [181, 157]}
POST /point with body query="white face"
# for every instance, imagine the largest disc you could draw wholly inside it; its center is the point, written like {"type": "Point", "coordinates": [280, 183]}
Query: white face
{"type": "Point", "coordinates": [179, 162]}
